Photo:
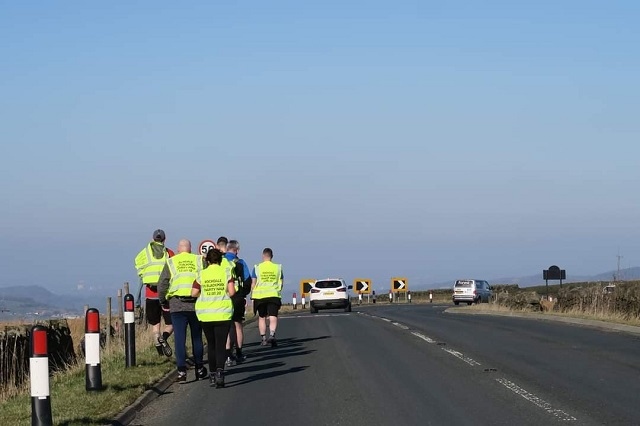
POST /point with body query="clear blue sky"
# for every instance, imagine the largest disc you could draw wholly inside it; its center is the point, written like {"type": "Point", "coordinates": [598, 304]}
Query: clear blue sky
{"type": "Point", "coordinates": [431, 140]}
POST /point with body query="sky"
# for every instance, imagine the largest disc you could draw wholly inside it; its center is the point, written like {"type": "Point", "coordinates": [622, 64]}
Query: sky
{"type": "Point", "coordinates": [357, 139]}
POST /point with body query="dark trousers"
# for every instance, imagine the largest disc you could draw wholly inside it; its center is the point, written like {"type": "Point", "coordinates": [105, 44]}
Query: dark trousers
{"type": "Point", "coordinates": [216, 333]}
{"type": "Point", "coordinates": [180, 322]}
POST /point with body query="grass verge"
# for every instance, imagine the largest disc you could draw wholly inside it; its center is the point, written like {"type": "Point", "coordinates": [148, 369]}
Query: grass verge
{"type": "Point", "coordinates": [73, 405]}
{"type": "Point", "coordinates": [614, 318]}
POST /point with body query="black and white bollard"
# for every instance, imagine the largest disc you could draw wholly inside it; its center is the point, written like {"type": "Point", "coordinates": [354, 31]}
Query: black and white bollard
{"type": "Point", "coordinates": [304, 304]}
{"type": "Point", "coordinates": [129, 331]}
{"type": "Point", "coordinates": [39, 378]}
{"type": "Point", "coordinates": [92, 369]}
{"type": "Point", "coordinates": [295, 301]}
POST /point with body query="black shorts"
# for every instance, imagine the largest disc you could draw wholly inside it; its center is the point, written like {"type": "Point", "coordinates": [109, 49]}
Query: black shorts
{"type": "Point", "coordinates": [154, 312]}
{"type": "Point", "coordinates": [238, 309]}
{"type": "Point", "coordinates": [267, 307]}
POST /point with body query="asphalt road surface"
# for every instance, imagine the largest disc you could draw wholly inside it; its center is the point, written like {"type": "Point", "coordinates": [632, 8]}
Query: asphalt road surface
{"type": "Point", "coordinates": [415, 364]}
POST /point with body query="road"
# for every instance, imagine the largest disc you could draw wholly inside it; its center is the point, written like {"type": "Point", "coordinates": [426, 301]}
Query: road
{"type": "Point", "coordinates": [416, 364]}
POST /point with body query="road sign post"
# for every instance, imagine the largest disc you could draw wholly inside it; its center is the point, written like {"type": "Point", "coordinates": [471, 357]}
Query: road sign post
{"type": "Point", "coordinates": [205, 246]}
{"type": "Point", "coordinates": [399, 284]}
{"type": "Point", "coordinates": [305, 286]}
{"type": "Point", "coordinates": [553, 273]}
{"type": "Point", "coordinates": [362, 285]}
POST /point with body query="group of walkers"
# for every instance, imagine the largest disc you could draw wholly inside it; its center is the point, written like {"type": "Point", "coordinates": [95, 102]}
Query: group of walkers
{"type": "Point", "coordinates": [207, 294]}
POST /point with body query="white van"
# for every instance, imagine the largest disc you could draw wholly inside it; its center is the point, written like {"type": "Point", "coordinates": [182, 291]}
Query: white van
{"type": "Point", "coordinates": [471, 291]}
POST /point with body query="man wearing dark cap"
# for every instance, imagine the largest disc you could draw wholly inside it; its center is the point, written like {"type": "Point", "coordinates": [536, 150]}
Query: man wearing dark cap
{"type": "Point", "coordinates": [149, 263]}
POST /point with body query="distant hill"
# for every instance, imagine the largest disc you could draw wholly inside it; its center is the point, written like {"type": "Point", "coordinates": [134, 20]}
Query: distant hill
{"type": "Point", "coordinates": [33, 297]}
{"type": "Point", "coordinates": [628, 274]}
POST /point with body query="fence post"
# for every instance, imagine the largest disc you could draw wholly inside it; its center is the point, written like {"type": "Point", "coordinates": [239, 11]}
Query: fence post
{"type": "Point", "coordinates": [126, 287]}
{"type": "Point", "coordinates": [39, 377]}
{"type": "Point", "coordinates": [120, 312]}
{"type": "Point", "coordinates": [108, 345]}
{"type": "Point", "coordinates": [92, 369]}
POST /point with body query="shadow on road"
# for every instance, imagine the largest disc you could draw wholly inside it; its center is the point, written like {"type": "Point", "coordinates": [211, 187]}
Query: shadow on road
{"type": "Point", "coordinates": [268, 375]}
{"type": "Point", "coordinates": [244, 368]}
{"type": "Point", "coordinates": [288, 341]}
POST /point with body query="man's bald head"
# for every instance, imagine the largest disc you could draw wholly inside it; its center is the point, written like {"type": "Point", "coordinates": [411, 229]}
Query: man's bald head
{"type": "Point", "coordinates": [184, 246]}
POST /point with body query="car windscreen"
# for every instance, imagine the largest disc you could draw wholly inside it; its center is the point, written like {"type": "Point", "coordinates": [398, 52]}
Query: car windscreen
{"type": "Point", "coordinates": [328, 284]}
{"type": "Point", "coordinates": [464, 284]}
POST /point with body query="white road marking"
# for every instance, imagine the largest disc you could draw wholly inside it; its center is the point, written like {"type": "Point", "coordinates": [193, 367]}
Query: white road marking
{"type": "Point", "coordinates": [539, 402]}
{"type": "Point", "coordinates": [423, 337]}
{"type": "Point", "coordinates": [402, 326]}
{"type": "Point", "coordinates": [461, 356]}
{"type": "Point", "coordinates": [313, 316]}
{"type": "Point", "coordinates": [385, 319]}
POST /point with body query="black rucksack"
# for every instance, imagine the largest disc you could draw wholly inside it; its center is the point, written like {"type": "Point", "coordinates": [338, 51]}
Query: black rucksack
{"type": "Point", "coordinates": [244, 286]}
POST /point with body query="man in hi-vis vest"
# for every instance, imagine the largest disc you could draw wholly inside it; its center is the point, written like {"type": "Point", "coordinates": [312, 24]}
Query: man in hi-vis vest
{"type": "Point", "coordinates": [266, 289]}
{"type": "Point", "coordinates": [149, 263]}
{"type": "Point", "coordinates": [174, 292]}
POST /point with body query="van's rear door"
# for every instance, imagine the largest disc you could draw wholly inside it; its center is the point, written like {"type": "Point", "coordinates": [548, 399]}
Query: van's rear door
{"type": "Point", "coordinates": [463, 288]}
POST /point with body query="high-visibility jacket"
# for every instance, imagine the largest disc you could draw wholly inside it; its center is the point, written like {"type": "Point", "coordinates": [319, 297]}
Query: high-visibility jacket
{"type": "Point", "coordinates": [214, 303]}
{"type": "Point", "coordinates": [268, 280]}
{"type": "Point", "coordinates": [149, 268]}
{"type": "Point", "coordinates": [184, 269]}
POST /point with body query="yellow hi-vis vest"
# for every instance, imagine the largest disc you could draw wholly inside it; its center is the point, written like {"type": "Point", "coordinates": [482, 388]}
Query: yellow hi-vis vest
{"type": "Point", "coordinates": [214, 304]}
{"type": "Point", "coordinates": [269, 280]}
{"type": "Point", "coordinates": [184, 268]}
{"type": "Point", "coordinates": [231, 264]}
{"type": "Point", "coordinates": [149, 268]}
{"type": "Point", "coordinates": [226, 263]}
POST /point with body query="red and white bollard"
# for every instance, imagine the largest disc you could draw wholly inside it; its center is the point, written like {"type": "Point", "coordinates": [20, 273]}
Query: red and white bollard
{"type": "Point", "coordinates": [129, 331]}
{"type": "Point", "coordinates": [303, 302]}
{"type": "Point", "coordinates": [295, 301]}
{"type": "Point", "coordinates": [39, 378]}
{"type": "Point", "coordinates": [92, 369]}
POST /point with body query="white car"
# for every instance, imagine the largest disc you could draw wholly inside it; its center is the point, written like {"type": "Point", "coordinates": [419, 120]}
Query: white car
{"type": "Point", "coordinates": [330, 293]}
{"type": "Point", "coordinates": [471, 291]}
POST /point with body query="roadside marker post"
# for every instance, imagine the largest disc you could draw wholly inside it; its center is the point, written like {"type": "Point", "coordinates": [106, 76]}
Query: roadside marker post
{"type": "Point", "coordinates": [295, 302]}
{"type": "Point", "coordinates": [92, 369]}
{"type": "Point", "coordinates": [129, 331]}
{"type": "Point", "coordinates": [39, 377]}
{"type": "Point", "coordinates": [304, 304]}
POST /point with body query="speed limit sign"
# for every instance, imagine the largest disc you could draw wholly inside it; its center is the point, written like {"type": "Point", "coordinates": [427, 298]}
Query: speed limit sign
{"type": "Point", "coordinates": [205, 246]}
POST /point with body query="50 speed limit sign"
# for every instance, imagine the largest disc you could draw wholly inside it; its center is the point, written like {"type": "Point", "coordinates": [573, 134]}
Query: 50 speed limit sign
{"type": "Point", "coordinates": [205, 246]}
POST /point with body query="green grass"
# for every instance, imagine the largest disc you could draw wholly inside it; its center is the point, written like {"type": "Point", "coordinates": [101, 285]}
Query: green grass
{"type": "Point", "coordinates": [73, 405]}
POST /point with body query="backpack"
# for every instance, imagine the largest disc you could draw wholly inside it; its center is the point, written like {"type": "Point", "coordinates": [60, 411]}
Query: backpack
{"type": "Point", "coordinates": [244, 286]}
